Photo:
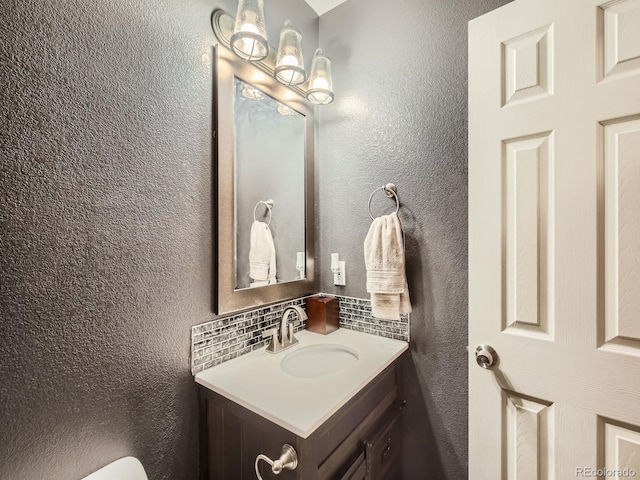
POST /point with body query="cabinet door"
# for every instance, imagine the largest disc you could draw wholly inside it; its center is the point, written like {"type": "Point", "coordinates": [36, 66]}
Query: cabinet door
{"type": "Point", "coordinates": [383, 451]}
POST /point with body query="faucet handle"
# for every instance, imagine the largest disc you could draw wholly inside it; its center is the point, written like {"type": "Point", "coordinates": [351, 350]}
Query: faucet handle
{"type": "Point", "coordinates": [271, 333]}
{"type": "Point", "coordinates": [292, 340]}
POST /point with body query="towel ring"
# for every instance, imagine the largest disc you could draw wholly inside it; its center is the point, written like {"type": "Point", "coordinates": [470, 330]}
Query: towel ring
{"type": "Point", "coordinates": [390, 191]}
{"type": "Point", "coordinates": [268, 204]}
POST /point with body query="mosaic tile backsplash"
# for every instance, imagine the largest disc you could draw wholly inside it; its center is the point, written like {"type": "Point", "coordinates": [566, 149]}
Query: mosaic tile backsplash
{"type": "Point", "coordinates": [355, 314]}
{"type": "Point", "coordinates": [225, 338]}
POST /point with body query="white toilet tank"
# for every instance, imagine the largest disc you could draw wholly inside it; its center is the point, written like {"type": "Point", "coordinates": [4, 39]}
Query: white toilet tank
{"type": "Point", "coordinates": [126, 468]}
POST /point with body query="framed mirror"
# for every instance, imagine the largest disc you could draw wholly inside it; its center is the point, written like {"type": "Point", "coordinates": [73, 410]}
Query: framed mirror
{"type": "Point", "coordinates": [264, 164]}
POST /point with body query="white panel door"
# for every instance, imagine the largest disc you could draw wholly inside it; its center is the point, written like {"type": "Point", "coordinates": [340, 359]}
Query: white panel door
{"type": "Point", "coordinates": [554, 240]}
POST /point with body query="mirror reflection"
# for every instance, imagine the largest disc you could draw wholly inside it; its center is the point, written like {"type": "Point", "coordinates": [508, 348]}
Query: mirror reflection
{"type": "Point", "coordinates": [270, 189]}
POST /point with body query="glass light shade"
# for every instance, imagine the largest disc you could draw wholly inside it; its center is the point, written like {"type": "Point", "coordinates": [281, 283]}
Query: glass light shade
{"type": "Point", "coordinates": [285, 110]}
{"type": "Point", "coordinates": [320, 91]}
{"type": "Point", "coordinates": [253, 93]}
{"type": "Point", "coordinates": [249, 39]}
{"type": "Point", "coordinates": [289, 64]}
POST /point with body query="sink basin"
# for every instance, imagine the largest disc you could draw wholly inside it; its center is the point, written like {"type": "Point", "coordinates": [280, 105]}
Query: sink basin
{"type": "Point", "coordinates": [315, 361]}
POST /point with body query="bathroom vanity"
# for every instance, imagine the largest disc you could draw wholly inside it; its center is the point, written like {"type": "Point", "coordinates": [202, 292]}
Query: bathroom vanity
{"type": "Point", "coordinates": [341, 415]}
{"type": "Point", "coordinates": [335, 399]}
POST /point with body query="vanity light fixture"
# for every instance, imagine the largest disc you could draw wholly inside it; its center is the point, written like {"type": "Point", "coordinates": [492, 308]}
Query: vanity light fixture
{"type": "Point", "coordinates": [246, 36]}
{"type": "Point", "coordinates": [250, 92]}
{"type": "Point", "coordinates": [320, 91]}
{"type": "Point", "coordinates": [289, 64]}
{"type": "Point", "coordinates": [285, 110]}
{"type": "Point", "coordinates": [249, 39]}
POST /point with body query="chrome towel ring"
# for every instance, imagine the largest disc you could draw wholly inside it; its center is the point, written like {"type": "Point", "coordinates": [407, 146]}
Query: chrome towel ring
{"type": "Point", "coordinates": [390, 191]}
{"type": "Point", "coordinates": [266, 203]}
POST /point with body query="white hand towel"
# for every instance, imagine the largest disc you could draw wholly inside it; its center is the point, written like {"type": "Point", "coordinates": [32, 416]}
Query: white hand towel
{"type": "Point", "coordinates": [262, 253]}
{"type": "Point", "coordinates": [384, 260]}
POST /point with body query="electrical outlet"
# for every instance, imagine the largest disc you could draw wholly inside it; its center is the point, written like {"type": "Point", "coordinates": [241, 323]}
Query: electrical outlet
{"type": "Point", "coordinates": [340, 277]}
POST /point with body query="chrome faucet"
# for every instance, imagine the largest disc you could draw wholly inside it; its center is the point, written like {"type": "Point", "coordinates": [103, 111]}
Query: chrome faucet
{"type": "Point", "coordinates": [282, 337]}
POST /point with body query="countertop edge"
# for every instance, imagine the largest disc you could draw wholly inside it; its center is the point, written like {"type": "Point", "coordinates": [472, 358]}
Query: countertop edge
{"type": "Point", "coordinates": [293, 429]}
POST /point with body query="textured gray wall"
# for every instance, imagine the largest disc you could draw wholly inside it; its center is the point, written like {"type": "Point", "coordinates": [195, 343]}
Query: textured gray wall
{"type": "Point", "coordinates": [106, 216]}
{"type": "Point", "coordinates": [400, 79]}
{"type": "Point", "coordinates": [105, 229]}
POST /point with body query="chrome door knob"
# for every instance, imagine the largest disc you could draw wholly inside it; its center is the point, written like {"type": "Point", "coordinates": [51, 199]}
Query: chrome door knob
{"type": "Point", "coordinates": [486, 356]}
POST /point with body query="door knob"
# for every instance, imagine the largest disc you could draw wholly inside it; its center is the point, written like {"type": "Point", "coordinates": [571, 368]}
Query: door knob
{"type": "Point", "coordinates": [486, 356]}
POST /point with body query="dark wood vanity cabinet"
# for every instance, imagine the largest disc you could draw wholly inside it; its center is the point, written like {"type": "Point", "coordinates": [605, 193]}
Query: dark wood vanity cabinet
{"type": "Point", "coordinates": [362, 440]}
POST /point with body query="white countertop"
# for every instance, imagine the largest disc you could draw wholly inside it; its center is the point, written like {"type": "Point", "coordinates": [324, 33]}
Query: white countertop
{"type": "Point", "coordinates": [301, 405]}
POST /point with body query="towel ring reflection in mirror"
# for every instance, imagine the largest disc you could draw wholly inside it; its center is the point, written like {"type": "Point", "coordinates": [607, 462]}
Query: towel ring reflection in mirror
{"type": "Point", "coordinates": [390, 191]}
{"type": "Point", "coordinates": [268, 204]}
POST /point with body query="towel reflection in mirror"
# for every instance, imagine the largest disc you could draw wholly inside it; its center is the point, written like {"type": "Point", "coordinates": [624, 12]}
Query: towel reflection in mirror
{"type": "Point", "coordinates": [262, 250]}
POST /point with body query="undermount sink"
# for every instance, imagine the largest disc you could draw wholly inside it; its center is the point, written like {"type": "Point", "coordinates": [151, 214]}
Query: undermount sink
{"type": "Point", "coordinates": [315, 361]}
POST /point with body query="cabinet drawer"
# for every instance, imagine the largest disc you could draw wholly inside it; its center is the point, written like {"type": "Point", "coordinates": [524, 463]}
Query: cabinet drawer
{"type": "Point", "coordinates": [358, 470]}
{"type": "Point", "coordinates": [384, 449]}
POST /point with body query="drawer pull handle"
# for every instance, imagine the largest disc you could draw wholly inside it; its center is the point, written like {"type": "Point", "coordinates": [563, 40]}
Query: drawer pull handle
{"type": "Point", "coordinates": [385, 451]}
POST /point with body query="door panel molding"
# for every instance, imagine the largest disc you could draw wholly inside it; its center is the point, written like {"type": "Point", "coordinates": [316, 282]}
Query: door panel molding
{"type": "Point", "coordinates": [527, 182]}
{"type": "Point", "coordinates": [620, 254]}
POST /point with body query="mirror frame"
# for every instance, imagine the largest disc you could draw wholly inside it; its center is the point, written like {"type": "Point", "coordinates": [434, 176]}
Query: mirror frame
{"type": "Point", "coordinates": [227, 66]}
